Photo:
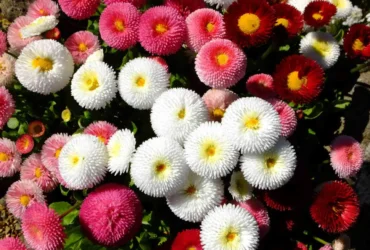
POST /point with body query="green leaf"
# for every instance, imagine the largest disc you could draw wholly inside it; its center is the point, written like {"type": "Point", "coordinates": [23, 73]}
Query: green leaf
{"type": "Point", "coordinates": [13, 123]}
{"type": "Point", "coordinates": [341, 104]}
{"type": "Point", "coordinates": [311, 132]}
{"type": "Point", "coordinates": [339, 36]}
{"type": "Point", "coordinates": [22, 129]}
{"type": "Point", "coordinates": [60, 207]}
{"type": "Point", "coordinates": [70, 218]}
{"type": "Point", "coordinates": [144, 246]}
{"type": "Point", "coordinates": [162, 240]}
{"type": "Point", "coordinates": [134, 128]}
{"type": "Point", "coordinates": [87, 244]}
{"type": "Point", "coordinates": [284, 48]}
{"type": "Point", "coordinates": [314, 112]}
{"type": "Point", "coordinates": [74, 236]}
{"type": "Point", "coordinates": [63, 191]}
{"type": "Point", "coordinates": [87, 114]}
{"type": "Point", "coordinates": [147, 218]}
{"type": "Point", "coordinates": [78, 195]}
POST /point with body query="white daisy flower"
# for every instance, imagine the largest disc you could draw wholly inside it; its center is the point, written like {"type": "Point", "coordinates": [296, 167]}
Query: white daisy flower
{"type": "Point", "coordinates": [94, 85]}
{"type": "Point", "coordinates": [158, 167]}
{"type": "Point", "coordinates": [177, 112]}
{"type": "Point", "coordinates": [121, 146]}
{"type": "Point", "coordinates": [209, 152]}
{"type": "Point", "coordinates": [239, 188]}
{"type": "Point", "coordinates": [321, 47]}
{"type": "Point", "coordinates": [272, 169]}
{"type": "Point", "coordinates": [220, 3]}
{"type": "Point", "coordinates": [83, 162]}
{"type": "Point", "coordinates": [39, 26]}
{"type": "Point", "coordinates": [355, 16]}
{"type": "Point", "coordinates": [44, 66]}
{"type": "Point", "coordinates": [96, 56]}
{"type": "Point", "coordinates": [196, 198]}
{"type": "Point", "coordinates": [299, 4]}
{"type": "Point", "coordinates": [141, 81]}
{"type": "Point", "coordinates": [344, 8]}
{"type": "Point", "coordinates": [229, 227]}
{"type": "Point", "coordinates": [252, 124]}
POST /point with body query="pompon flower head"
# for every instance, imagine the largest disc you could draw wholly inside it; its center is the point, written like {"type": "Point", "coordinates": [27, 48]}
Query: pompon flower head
{"type": "Point", "coordinates": [220, 3]}
{"type": "Point", "coordinates": [289, 21]}
{"type": "Point", "coordinates": [346, 156]}
{"type": "Point", "coordinates": [96, 56]}
{"type": "Point", "coordinates": [177, 112]}
{"type": "Point", "coordinates": [44, 67]}
{"type": "Point", "coordinates": [7, 106]}
{"type": "Point", "coordinates": [119, 25]}
{"type": "Point", "coordinates": [220, 63]}
{"type": "Point", "coordinates": [217, 101]}
{"type": "Point", "coordinates": [36, 129]}
{"type": "Point", "coordinates": [209, 152]}
{"type": "Point", "coordinates": [41, 8]}
{"type": "Point", "coordinates": [94, 85]}
{"type": "Point", "coordinates": [299, 4]}
{"type": "Point", "coordinates": [121, 147]}
{"type": "Point", "coordinates": [249, 23]}
{"type": "Point", "coordinates": [271, 169]}
{"type": "Point", "coordinates": [42, 228]}
{"type": "Point", "coordinates": [344, 8]}
{"type": "Point", "coordinates": [111, 215]}
{"type": "Point", "coordinates": [136, 3]}
{"type": "Point", "coordinates": [229, 227]}
{"type": "Point", "coordinates": [82, 44]}
{"type": "Point", "coordinates": [161, 61]}
{"type": "Point", "coordinates": [239, 188]}
{"type": "Point", "coordinates": [25, 144]}
{"type": "Point", "coordinates": [261, 85]}
{"type": "Point", "coordinates": [321, 47]}
{"type": "Point", "coordinates": [335, 208]}
{"type": "Point", "coordinates": [187, 239]}
{"type": "Point", "coordinates": [3, 43]}
{"type": "Point", "coordinates": [21, 194]}
{"type": "Point", "coordinates": [252, 125]}
{"type": "Point", "coordinates": [357, 41]}
{"type": "Point", "coordinates": [196, 198]}
{"type": "Point", "coordinates": [39, 26]}
{"type": "Point", "coordinates": [6, 69]}
{"type": "Point", "coordinates": [10, 159]}
{"type": "Point", "coordinates": [11, 243]}
{"type": "Point", "coordinates": [298, 79]}
{"type": "Point", "coordinates": [101, 129]}
{"type": "Point", "coordinates": [319, 13]}
{"type": "Point", "coordinates": [158, 167]}
{"type": "Point", "coordinates": [162, 30]}
{"type": "Point", "coordinates": [288, 118]}
{"type": "Point", "coordinates": [141, 81]}
{"type": "Point", "coordinates": [83, 162]}
{"type": "Point", "coordinates": [185, 7]}
{"type": "Point", "coordinates": [79, 10]}
{"type": "Point", "coordinates": [326, 247]}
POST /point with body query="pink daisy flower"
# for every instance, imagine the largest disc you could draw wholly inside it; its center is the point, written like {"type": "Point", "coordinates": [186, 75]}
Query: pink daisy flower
{"type": "Point", "coordinates": [3, 45]}
{"type": "Point", "coordinates": [203, 25]}
{"type": "Point", "coordinates": [217, 101]}
{"type": "Point", "coordinates": [79, 9]}
{"type": "Point", "coordinates": [220, 63]}
{"type": "Point", "coordinates": [10, 160]}
{"type": "Point", "coordinates": [119, 24]}
{"type": "Point", "coordinates": [326, 247]}
{"type": "Point", "coordinates": [288, 118]}
{"type": "Point", "coordinates": [82, 44]}
{"type": "Point", "coordinates": [42, 8]}
{"type": "Point", "coordinates": [346, 156]}
{"type": "Point", "coordinates": [185, 7]}
{"type": "Point", "coordinates": [162, 30]}
{"type": "Point", "coordinates": [101, 129]}
{"type": "Point", "coordinates": [111, 215]}
{"type": "Point", "coordinates": [21, 194]}
{"type": "Point", "coordinates": [24, 144]}
{"type": "Point", "coordinates": [136, 3]}
{"type": "Point", "coordinates": [7, 106]}
{"type": "Point", "coordinates": [161, 61]}
{"type": "Point", "coordinates": [42, 228]}
{"type": "Point", "coordinates": [6, 69]}
{"type": "Point", "coordinates": [11, 243]}
{"type": "Point", "coordinates": [261, 85]}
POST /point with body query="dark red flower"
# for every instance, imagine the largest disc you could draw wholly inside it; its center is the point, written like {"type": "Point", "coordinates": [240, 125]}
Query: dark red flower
{"type": "Point", "coordinates": [185, 7]}
{"type": "Point", "coordinates": [289, 21]}
{"type": "Point", "coordinates": [53, 34]}
{"type": "Point", "coordinates": [36, 129]}
{"type": "Point", "coordinates": [319, 13]}
{"type": "Point", "coordinates": [187, 239]}
{"type": "Point", "coordinates": [300, 246]}
{"type": "Point", "coordinates": [357, 41]}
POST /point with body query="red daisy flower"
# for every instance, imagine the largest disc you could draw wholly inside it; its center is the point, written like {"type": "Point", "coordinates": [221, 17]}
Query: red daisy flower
{"type": "Point", "coordinates": [289, 21]}
{"type": "Point", "coordinates": [185, 7]}
{"type": "Point", "coordinates": [300, 246]}
{"type": "Point", "coordinates": [188, 239]}
{"type": "Point", "coordinates": [249, 23]}
{"type": "Point", "coordinates": [357, 41]}
{"type": "Point", "coordinates": [298, 79]}
{"type": "Point", "coordinates": [25, 144]}
{"type": "Point", "coordinates": [36, 129]}
{"type": "Point", "coordinates": [53, 34]}
{"type": "Point", "coordinates": [319, 13]}
{"type": "Point", "coordinates": [335, 207]}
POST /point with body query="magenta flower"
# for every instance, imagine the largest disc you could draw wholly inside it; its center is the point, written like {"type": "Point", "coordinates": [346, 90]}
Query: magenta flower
{"type": "Point", "coordinates": [42, 8]}
{"type": "Point", "coordinates": [79, 9]}
{"type": "Point", "coordinates": [261, 85]}
{"type": "Point", "coordinates": [7, 106]}
{"type": "Point", "coordinates": [185, 7]}
{"type": "Point", "coordinates": [10, 243]}
{"type": "Point", "coordinates": [3, 45]}
{"type": "Point", "coordinates": [136, 3]}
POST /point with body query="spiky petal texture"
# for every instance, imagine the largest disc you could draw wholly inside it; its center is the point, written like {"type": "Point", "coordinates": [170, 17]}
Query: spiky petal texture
{"type": "Point", "coordinates": [261, 85]}
{"type": "Point", "coordinates": [220, 3]}
{"type": "Point", "coordinates": [96, 56]}
{"type": "Point", "coordinates": [288, 118]}
{"type": "Point", "coordinates": [326, 247]}
{"type": "Point", "coordinates": [81, 9]}
{"type": "Point", "coordinates": [344, 8]}
{"type": "Point", "coordinates": [7, 106]}
{"type": "Point", "coordinates": [299, 4]}
{"type": "Point", "coordinates": [3, 43]}
{"type": "Point", "coordinates": [25, 144]}
{"type": "Point", "coordinates": [239, 188]}
{"type": "Point", "coordinates": [356, 42]}
{"type": "Point", "coordinates": [185, 7]}
{"type": "Point", "coordinates": [39, 26]}
{"type": "Point", "coordinates": [10, 243]}
{"type": "Point", "coordinates": [82, 44]}
{"type": "Point", "coordinates": [10, 159]}
{"type": "Point", "coordinates": [187, 239]}
{"type": "Point", "coordinates": [289, 21]}
{"type": "Point", "coordinates": [43, 8]}
{"type": "Point", "coordinates": [319, 13]}
{"type": "Point", "coordinates": [136, 3]}
{"type": "Point", "coordinates": [7, 69]}
{"type": "Point", "coordinates": [101, 129]}
{"type": "Point", "coordinates": [217, 101]}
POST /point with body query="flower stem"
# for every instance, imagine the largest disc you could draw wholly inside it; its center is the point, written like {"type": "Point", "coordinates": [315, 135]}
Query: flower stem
{"type": "Point", "coordinates": [359, 67]}
{"type": "Point", "coordinates": [11, 54]}
{"type": "Point", "coordinates": [270, 49]}
{"type": "Point", "coordinates": [317, 239]}
{"type": "Point", "coordinates": [76, 205]}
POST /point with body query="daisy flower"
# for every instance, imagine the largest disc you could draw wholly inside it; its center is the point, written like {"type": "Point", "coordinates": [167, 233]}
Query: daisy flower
{"type": "Point", "coordinates": [101, 129]}
{"type": "Point", "coordinates": [217, 101]}
{"type": "Point", "coordinates": [94, 85]}
{"type": "Point", "coordinates": [288, 118]}
{"type": "Point", "coordinates": [220, 63]}
{"type": "Point", "coordinates": [10, 243]}
{"type": "Point", "coordinates": [6, 69]}
{"type": "Point", "coordinates": [357, 41]}
{"type": "Point", "coordinates": [298, 79]}
{"type": "Point", "coordinates": [39, 26]}
{"type": "Point", "coordinates": [196, 198]}
{"type": "Point", "coordinates": [177, 112]}
{"type": "Point", "coordinates": [289, 21]}
{"type": "Point", "coordinates": [326, 247]}
{"type": "Point", "coordinates": [119, 25]}
{"type": "Point", "coordinates": [136, 3]}
{"type": "Point", "coordinates": [321, 47]}
{"type": "Point", "coordinates": [83, 162]}
{"type": "Point", "coordinates": [185, 7]}
{"type": "Point", "coordinates": [187, 239]}
{"type": "Point", "coordinates": [220, 3]}
{"type": "Point", "coordinates": [121, 147]}
{"type": "Point", "coordinates": [96, 56]}
{"type": "Point", "coordinates": [299, 4]}
{"type": "Point", "coordinates": [335, 208]}
{"type": "Point", "coordinates": [161, 61]}
{"type": "Point", "coordinates": [3, 43]}
{"type": "Point", "coordinates": [141, 81]}
{"type": "Point", "coordinates": [252, 125]}
{"type": "Point", "coordinates": [53, 34]}
{"type": "Point", "coordinates": [162, 30]}
{"type": "Point", "coordinates": [158, 167]}
{"type": "Point", "coordinates": [261, 85]}
{"type": "Point", "coordinates": [81, 45]}
{"type": "Point", "coordinates": [7, 106]}
{"type": "Point", "coordinates": [10, 159]}
{"type": "Point", "coordinates": [209, 152]}
{"type": "Point", "coordinates": [21, 194]}
{"type": "Point", "coordinates": [229, 227]}
{"type": "Point", "coordinates": [25, 144]}
{"type": "Point", "coordinates": [44, 67]}
{"type": "Point", "coordinates": [203, 25]}
{"type": "Point", "coordinates": [319, 13]}
{"type": "Point", "coordinates": [111, 215]}
{"type": "Point", "coordinates": [342, 242]}
{"type": "Point", "coordinates": [41, 8]}
{"type": "Point", "coordinates": [36, 129]}
{"type": "Point", "coordinates": [79, 10]}
{"type": "Point", "coordinates": [344, 8]}
{"type": "Point", "coordinates": [239, 188]}
{"type": "Point", "coordinates": [249, 23]}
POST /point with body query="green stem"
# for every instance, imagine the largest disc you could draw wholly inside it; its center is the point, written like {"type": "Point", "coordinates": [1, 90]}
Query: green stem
{"type": "Point", "coordinates": [317, 239]}
{"type": "Point", "coordinates": [78, 203]}
{"type": "Point", "coordinates": [11, 54]}
{"type": "Point", "coordinates": [359, 67]}
{"type": "Point", "coordinates": [270, 49]}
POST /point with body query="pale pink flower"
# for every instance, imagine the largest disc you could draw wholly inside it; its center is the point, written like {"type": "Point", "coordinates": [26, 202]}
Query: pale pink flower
{"type": "Point", "coordinates": [288, 118]}
{"type": "Point", "coordinates": [43, 8]}
{"type": "Point", "coordinates": [217, 101]}
{"type": "Point", "coordinates": [6, 69]}
{"type": "Point", "coordinates": [82, 44]}
{"type": "Point", "coordinates": [10, 159]}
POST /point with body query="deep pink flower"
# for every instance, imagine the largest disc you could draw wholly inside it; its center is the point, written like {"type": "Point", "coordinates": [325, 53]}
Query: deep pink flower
{"type": "Point", "coordinates": [187, 239]}
{"type": "Point", "coordinates": [185, 7]}
{"type": "Point", "coordinates": [326, 247]}
{"type": "Point", "coordinates": [217, 101]}
{"type": "Point", "coordinates": [10, 159]}
{"type": "Point", "coordinates": [7, 106]}
{"type": "Point", "coordinates": [288, 118]}
{"type": "Point", "coordinates": [11, 243]}
{"type": "Point", "coordinates": [261, 85]}
{"type": "Point", "coordinates": [3, 45]}
{"type": "Point", "coordinates": [136, 3]}
{"type": "Point", "coordinates": [101, 129]}
{"type": "Point", "coordinates": [43, 8]}
{"type": "Point", "coordinates": [81, 45]}
{"type": "Point", "coordinates": [15, 40]}
{"type": "Point", "coordinates": [79, 9]}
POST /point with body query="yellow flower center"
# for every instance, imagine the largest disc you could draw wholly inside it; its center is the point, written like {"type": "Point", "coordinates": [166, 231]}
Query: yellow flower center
{"type": "Point", "coordinates": [210, 27]}
{"type": "Point", "coordinates": [75, 159]}
{"type": "Point", "coordinates": [82, 47]}
{"type": "Point", "coordinates": [249, 23]}
{"type": "Point", "coordinates": [190, 190]}
{"type": "Point", "coordinates": [358, 45]}
{"type": "Point", "coordinates": [270, 162]}
{"type": "Point", "coordinates": [115, 149]}
{"type": "Point", "coordinates": [38, 172]}
{"type": "Point", "coordinates": [43, 64]}
{"type": "Point", "coordinates": [102, 139]}
{"type": "Point", "coordinates": [252, 122]}
{"type": "Point", "coordinates": [25, 200]}
{"type": "Point", "coordinates": [321, 47]}
{"type": "Point", "coordinates": [231, 236]}
{"type": "Point", "coordinates": [222, 59]}
{"type": "Point", "coordinates": [282, 21]}
{"type": "Point", "coordinates": [218, 113]}
{"type": "Point", "coordinates": [294, 82]}
{"type": "Point", "coordinates": [241, 187]}
{"type": "Point", "coordinates": [42, 11]}
{"type": "Point", "coordinates": [2, 67]}
{"type": "Point", "coordinates": [3, 157]}
{"type": "Point", "coordinates": [181, 114]}
{"type": "Point", "coordinates": [57, 152]}
{"type": "Point", "coordinates": [66, 115]}
{"type": "Point", "coordinates": [191, 248]}
{"type": "Point", "coordinates": [90, 81]}
{"type": "Point", "coordinates": [140, 82]}
{"type": "Point", "coordinates": [210, 150]}
{"type": "Point", "coordinates": [161, 169]}
{"type": "Point", "coordinates": [318, 16]}
{"type": "Point", "coordinates": [161, 28]}
{"type": "Point", "coordinates": [118, 24]}
{"type": "Point", "coordinates": [339, 3]}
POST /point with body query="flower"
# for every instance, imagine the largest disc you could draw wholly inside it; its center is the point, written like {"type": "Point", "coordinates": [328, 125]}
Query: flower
{"type": "Point", "coordinates": [196, 198]}
{"type": "Point", "coordinates": [10, 159]}
{"type": "Point", "coordinates": [300, 246]}
{"type": "Point", "coordinates": [36, 129]}
{"type": "Point", "coordinates": [21, 194]}
{"type": "Point", "coordinates": [355, 16]}
{"type": "Point", "coordinates": [25, 144]}
{"type": "Point", "coordinates": [6, 69]}
{"type": "Point", "coordinates": [111, 215]}
{"type": "Point", "coordinates": [79, 10]}
{"type": "Point", "coordinates": [261, 85]}
{"type": "Point", "coordinates": [141, 81]}
{"type": "Point", "coordinates": [220, 3]}
{"type": "Point", "coordinates": [321, 47]}
{"type": "Point", "coordinates": [185, 7]}
{"type": "Point", "coordinates": [3, 44]}
{"type": "Point", "coordinates": [82, 44]}
{"type": "Point", "coordinates": [288, 119]}
{"type": "Point", "coordinates": [94, 85]}
{"type": "Point", "coordinates": [44, 67]}
{"type": "Point", "coordinates": [39, 26]}
{"type": "Point", "coordinates": [203, 25]}
{"type": "Point", "coordinates": [83, 162]}
{"type": "Point", "coordinates": [346, 156]}
{"type": "Point", "coordinates": [319, 13]}
{"type": "Point", "coordinates": [136, 3]}
{"type": "Point", "coordinates": [101, 129]}
{"type": "Point", "coordinates": [10, 243]}
{"type": "Point", "coordinates": [121, 147]}
{"type": "Point", "coordinates": [239, 188]}
{"type": "Point", "coordinates": [158, 167]}
{"type": "Point", "coordinates": [298, 79]}
{"type": "Point", "coordinates": [96, 56]}
{"type": "Point", "coordinates": [177, 112]}
{"type": "Point", "coordinates": [289, 21]}
{"type": "Point", "coordinates": [42, 228]}
{"type": "Point", "coordinates": [299, 4]}
{"type": "Point", "coordinates": [162, 30]}
{"type": "Point", "coordinates": [229, 227]}
{"type": "Point", "coordinates": [326, 247]}
{"type": "Point", "coordinates": [252, 125]}
{"type": "Point", "coordinates": [187, 239]}
{"type": "Point", "coordinates": [41, 8]}
{"type": "Point", "coordinates": [342, 242]}
{"type": "Point", "coordinates": [357, 41]}
{"type": "Point", "coordinates": [161, 61]}
{"type": "Point", "coordinates": [220, 63]}
{"type": "Point", "coordinates": [217, 101]}
{"type": "Point", "coordinates": [53, 34]}
{"type": "Point", "coordinates": [66, 115]}
{"type": "Point", "coordinates": [344, 8]}
{"type": "Point", "coordinates": [249, 23]}
{"type": "Point", "coordinates": [209, 152]}
{"type": "Point", "coordinates": [119, 25]}
{"type": "Point", "coordinates": [7, 106]}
